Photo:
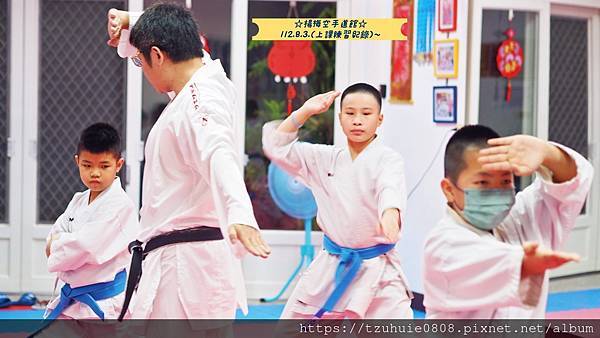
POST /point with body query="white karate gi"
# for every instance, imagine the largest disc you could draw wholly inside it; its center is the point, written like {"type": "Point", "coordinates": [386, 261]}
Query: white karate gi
{"type": "Point", "coordinates": [351, 197]}
{"type": "Point", "coordinates": [92, 245]}
{"type": "Point", "coordinates": [475, 274]}
{"type": "Point", "coordinates": [192, 178]}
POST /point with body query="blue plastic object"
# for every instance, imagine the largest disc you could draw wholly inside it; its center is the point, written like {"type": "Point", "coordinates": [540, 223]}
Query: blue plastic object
{"type": "Point", "coordinates": [4, 300]}
{"type": "Point", "coordinates": [25, 299]}
{"type": "Point", "coordinates": [291, 196]}
{"type": "Point", "coordinates": [297, 201]}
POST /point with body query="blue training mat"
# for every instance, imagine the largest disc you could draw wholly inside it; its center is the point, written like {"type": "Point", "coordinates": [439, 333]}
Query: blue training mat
{"type": "Point", "coordinates": [574, 300]}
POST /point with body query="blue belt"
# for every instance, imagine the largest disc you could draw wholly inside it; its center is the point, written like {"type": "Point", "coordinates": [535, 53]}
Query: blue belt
{"type": "Point", "coordinates": [350, 261]}
{"type": "Point", "coordinates": [87, 295]}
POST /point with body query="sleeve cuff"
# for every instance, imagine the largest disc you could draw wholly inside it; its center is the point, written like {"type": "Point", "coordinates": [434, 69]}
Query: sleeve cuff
{"type": "Point", "coordinates": [238, 249]}
{"type": "Point", "coordinates": [242, 217]}
{"type": "Point", "coordinates": [390, 200]}
{"type": "Point", "coordinates": [530, 287]}
{"type": "Point", "coordinates": [125, 49]}
{"type": "Point", "coordinates": [273, 137]}
{"type": "Point", "coordinates": [526, 291]}
{"type": "Point", "coordinates": [530, 290]}
{"type": "Point", "coordinates": [56, 257]}
{"type": "Point", "coordinates": [519, 292]}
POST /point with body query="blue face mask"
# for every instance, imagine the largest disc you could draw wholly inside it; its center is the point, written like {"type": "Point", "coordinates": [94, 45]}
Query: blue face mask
{"type": "Point", "coordinates": [486, 208]}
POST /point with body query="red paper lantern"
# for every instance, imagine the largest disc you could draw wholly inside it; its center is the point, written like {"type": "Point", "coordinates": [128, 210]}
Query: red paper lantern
{"type": "Point", "coordinates": [509, 59]}
{"type": "Point", "coordinates": [291, 61]}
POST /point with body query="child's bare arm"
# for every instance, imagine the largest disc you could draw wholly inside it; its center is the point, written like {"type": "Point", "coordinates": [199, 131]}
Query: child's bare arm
{"type": "Point", "coordinates": [315, 105]}
{"type": "Point", "coordinates": [560, 163]}
{"type": "Point", "coordinates": [390, 224]}
{"type": "Point", "coordinates": [524, 154]}
{"type": "Point", "coordinates": [48, 244]}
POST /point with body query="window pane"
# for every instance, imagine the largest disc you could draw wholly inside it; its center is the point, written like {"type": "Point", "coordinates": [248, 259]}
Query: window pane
{"type": "Point", "coordinates": [569, 83]}
{"type": "Point", "coordinates": [266, 101]}
{"type": "Point", "coordinates": [569, 108]}
{"type": "Point", "coordinates": [82, 81]}
{"type": "Point", "coordinates": [516, 116]}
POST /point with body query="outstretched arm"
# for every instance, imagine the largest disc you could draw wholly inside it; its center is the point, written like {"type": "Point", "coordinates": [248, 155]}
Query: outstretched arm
{"type": "Point", "coordinates": [317, 104]}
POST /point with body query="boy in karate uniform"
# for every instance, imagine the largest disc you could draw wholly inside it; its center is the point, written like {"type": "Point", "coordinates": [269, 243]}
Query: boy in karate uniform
{"type": "Point", "coordinates": [490, 254]}
{"type": "Point", "coordinates": [193, 189]}
{"type": "Point", "coordinates": [361, 196]}
{"type": "Point", "coordinates": [87, 246]}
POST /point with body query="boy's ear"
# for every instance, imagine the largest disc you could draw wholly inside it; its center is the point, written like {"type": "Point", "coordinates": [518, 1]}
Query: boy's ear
{"type": "Point", "coordinates": [157, 56]}
{"type": "Point", "coordinates": [380, 117]}
{"type": "Point", "coordinates": [446, 186]}
{"type": "Point", "coordinates": [120, 163]}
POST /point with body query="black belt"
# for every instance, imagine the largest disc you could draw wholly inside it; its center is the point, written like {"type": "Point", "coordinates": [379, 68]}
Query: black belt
{"type": "Point", "coordinates": [199, 234]}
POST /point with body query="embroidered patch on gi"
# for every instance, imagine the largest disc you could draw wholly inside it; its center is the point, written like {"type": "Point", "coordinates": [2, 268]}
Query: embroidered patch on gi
{"type": "Point", "coordinates": [204, 114]}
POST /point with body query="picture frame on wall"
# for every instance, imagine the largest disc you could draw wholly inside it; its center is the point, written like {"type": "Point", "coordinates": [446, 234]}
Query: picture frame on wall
{"type": "Point", "coordinates": [444, 104]}
{"type": "Point", "coordinates": [447, 15]}
{"type": "Point", "coordinates": [445, 58]}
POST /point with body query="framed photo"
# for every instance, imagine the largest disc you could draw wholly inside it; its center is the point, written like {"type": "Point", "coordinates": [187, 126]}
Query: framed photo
{"type": "Point", "coordinates": [444, 104]}
{"type": "Point", "coordinates": [447, 15]}
{"type": "Point", "coordinates": [445, 58]}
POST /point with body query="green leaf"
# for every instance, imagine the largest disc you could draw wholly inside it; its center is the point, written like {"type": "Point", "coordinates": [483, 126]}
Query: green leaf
{"type": "Point", "coordinates": [258, 43]}
{"type": "Point", "coordinates": [258, 69]}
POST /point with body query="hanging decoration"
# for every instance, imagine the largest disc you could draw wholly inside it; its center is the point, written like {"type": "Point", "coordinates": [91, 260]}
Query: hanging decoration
{"type": "Point", "coordinates": [425, 30]}
{"type": "Point", "coordinates": [204, 41]}
{"type": "Point", "coordinates": [291, 61]}
{"type": "Point", "coordinates": [509, 58]}
{"type": "Point", "coordinates": [401, 77]}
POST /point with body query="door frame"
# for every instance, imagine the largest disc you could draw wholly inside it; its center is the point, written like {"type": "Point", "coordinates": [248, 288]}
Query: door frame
{"type": "Point", "coordinates": [33, 275]}
{"type": "Point", "coordinates": [11, 231]}
{"type": "Point", "coordinates": [33, 235]}
{"type": "Point", "coordinates": [545, 8]}
{"type": "Point", "coordinates": [567, 8]}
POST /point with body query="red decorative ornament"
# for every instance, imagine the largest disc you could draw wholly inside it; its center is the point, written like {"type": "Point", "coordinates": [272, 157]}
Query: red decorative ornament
{"type": "Point", "coordinates": [291, 61]}
{"type": "Point", "coordinates": [509, 59]}
{"type": "Point", "coordinates": [204, 41]}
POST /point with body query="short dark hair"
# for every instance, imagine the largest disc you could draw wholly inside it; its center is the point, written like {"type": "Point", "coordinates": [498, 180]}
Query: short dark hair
{"type": "Point", "coordinates": [466, 137]}
{"type": "Point", "coordinates": [100, 138]}
{"type": "Point", "coordinates": [169, 27]}
{"type": "Point", "coordinates": [362, 88]}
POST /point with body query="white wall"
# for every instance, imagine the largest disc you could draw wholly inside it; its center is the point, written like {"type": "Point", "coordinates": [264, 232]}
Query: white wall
{"type": "Point", "coordinates": [265, 277]}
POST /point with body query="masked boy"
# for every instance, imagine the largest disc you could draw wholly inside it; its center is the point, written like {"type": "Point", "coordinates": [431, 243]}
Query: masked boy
{"type": "Point", "coordinates": [489, 256]}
